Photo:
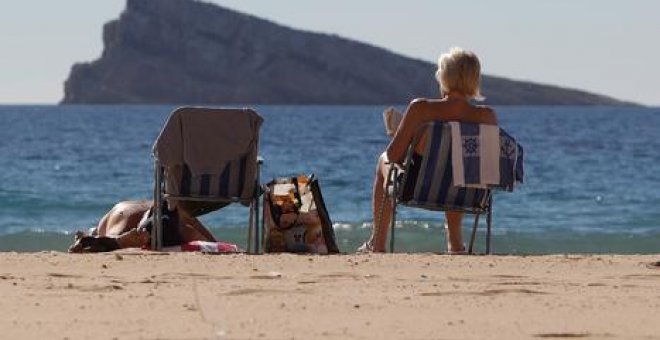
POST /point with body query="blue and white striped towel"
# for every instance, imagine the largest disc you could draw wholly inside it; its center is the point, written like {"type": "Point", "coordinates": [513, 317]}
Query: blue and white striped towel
{"type": "Point", "coordinates": [511, 161]}
{"type": "Point", "coordinates": [475, 155]}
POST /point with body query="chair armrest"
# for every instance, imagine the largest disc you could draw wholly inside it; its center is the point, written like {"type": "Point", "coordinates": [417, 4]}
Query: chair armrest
{"type": "Point", "coordinates": [393, 175]}
{"type": "Point", "coordinates": [398, 166]}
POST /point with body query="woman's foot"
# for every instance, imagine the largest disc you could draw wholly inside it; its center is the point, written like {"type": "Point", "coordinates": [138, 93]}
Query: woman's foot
{"type": "Point", "coordinates": [460, 251]}
{"type": "Point", "coordinates": [365, 248]}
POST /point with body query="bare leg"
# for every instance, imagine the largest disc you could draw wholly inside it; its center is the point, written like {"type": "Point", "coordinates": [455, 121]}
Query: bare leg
{"type": "Point", "coordinates": [191, 229]}
{"type": "Point", "coordinates": [454, 229]}
{"type": "Point", "coordinates": [381, 204]}
{"type": "Point", "coordinates": [189, 232]}
{"type": "Point", "coordinates": [379, 201]}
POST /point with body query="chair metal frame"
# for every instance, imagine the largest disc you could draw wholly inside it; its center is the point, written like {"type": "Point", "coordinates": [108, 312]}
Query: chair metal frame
{"type": "Point", "coordinates": [397, 178]}
{"type": "Point", "coordinates": [160, 196]}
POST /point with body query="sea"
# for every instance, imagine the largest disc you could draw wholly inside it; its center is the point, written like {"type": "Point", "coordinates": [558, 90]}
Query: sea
{"type": "Point", "coordinates": [592, 175]}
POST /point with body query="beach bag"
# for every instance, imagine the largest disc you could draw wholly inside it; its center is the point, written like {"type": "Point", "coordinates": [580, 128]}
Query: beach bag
{"type": "Point", "coordinates": [295, 217]}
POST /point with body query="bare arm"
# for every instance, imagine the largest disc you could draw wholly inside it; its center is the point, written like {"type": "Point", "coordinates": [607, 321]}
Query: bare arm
{"type": "Point", "coordinates": [396, 151]}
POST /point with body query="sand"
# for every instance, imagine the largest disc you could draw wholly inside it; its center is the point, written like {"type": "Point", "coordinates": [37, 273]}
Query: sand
{"type": "Point", "coordinates": [134, 295]}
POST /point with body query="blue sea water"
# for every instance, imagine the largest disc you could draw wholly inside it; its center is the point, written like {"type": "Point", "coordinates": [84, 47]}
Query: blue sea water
{"type": "Point", "coordinates": [592, 174]}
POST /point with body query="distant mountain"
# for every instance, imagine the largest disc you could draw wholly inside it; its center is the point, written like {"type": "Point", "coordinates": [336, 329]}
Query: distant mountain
{"type": "Point", "coordinates": [190, 52]}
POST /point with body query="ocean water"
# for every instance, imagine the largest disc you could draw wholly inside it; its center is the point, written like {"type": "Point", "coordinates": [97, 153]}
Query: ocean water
{"type": "Point", "coordinates": [592, 175]}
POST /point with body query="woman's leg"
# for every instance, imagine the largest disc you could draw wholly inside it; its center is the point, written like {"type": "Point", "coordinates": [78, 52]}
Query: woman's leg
{"type": "Point", "coordinates": [381, 205]}
{"type": "Point", "coordinates": [379, 201]}
{"type": "Point", "coordinates": [192, 230]}
{"type": "Point", "coordinates": [454, 229]}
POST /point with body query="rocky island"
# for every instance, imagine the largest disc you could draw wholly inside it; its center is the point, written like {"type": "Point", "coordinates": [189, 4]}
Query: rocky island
{"type": "Point", "coordinates": [191, 52]}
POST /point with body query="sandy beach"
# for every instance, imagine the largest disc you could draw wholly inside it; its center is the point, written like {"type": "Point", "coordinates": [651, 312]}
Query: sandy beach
{"type": "Point", "coordinates": [133, 294]}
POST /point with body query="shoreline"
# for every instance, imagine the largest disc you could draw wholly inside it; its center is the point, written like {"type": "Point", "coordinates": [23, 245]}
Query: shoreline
{"type": "Point", "coordinates": [135, 294]}
{"type": "Point", "coordinates": [410, 239]}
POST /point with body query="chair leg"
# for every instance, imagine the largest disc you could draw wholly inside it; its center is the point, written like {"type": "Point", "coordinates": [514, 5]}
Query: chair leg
{"type": "Point", "coordinates": [253, 225]}
{"type": "Point", "coordinates": [392, 224]}
{"type": "Point", "coordinates": [156, 230]}
{"type": "Point", "coordinates": [489, 222]}
{"type": "Point", "coordinates": [250, 248]}
{"type": "Point", "coordinates": [259, 237]}
{"type": "Point", "coordinates": [395, 189]}
{"type": "Point", "coordinates": [259, 232]}
{"type": "Point", "coordinates": [474, 233]}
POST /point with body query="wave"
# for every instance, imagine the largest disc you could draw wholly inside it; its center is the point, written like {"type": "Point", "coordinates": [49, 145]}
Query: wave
{"type": "Point", "coordinates": [410, 237]}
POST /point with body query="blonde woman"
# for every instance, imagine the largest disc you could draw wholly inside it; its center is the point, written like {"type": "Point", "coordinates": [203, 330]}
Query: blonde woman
{"type": "Point", "coordinates": [459, 75]}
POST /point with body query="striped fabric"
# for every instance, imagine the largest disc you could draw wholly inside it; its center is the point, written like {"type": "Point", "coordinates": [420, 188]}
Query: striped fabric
{"type": "Point", "coordinates": [475, 155]}
{"type": "Point", "coordinates": [210, 153]}
{"type": "Point", "coordinates": [511, 161]}
{"type": "Point", "coordinates": [433, 188]}
{"type": "Point", "coordinates": [230, 183]}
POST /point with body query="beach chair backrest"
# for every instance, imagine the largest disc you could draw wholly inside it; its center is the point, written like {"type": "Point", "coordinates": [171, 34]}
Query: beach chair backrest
{"type": "Point", "coordinates": [484, 158]}
{"type": "Point", "coordinates": [210, 153]}
{"type": "Point", "coordinates": [430, 186]}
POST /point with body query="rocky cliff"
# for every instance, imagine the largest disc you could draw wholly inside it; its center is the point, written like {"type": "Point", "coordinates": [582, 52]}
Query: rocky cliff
{"type": "Point", "coordinates": [190, 52]}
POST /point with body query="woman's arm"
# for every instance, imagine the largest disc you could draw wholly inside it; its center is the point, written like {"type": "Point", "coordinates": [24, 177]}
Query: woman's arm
{"type": "Point", "coordinates": [396, 151]}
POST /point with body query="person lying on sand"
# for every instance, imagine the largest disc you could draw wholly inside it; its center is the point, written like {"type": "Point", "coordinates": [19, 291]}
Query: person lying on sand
{"type": "Point", "coordinates": [128, 225]}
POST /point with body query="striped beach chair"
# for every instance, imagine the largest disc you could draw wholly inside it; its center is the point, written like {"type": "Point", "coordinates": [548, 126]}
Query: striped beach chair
{"type": "Point", "coordinates": [430, 185]}
{"type": "Point", "coordinates": [205, 159]}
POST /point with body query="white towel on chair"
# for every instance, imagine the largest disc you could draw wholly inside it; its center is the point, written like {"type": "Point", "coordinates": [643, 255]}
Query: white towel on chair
{"type": "Point", "coordinates": [475, 157]}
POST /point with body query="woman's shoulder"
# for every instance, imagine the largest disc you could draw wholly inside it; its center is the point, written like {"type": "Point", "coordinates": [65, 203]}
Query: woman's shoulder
{"type": "Point", "coordinates": [427, 105]}
{"type": "Point", "coordinates": [488, 114]}
{"type": "Point", "coordinates": [421, 110]}
{"type": "Point", "coordinates": [420, 102]}
{"type": "Point", "coordinates": [484, 108]}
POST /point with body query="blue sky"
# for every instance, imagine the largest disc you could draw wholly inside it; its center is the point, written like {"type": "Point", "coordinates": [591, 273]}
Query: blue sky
{"type": "Point", "coordinates": [608, 47]}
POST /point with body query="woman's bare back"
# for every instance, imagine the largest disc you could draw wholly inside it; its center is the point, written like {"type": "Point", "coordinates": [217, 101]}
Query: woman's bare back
{"type": "Point", "coordinates": [123, 217]}
{"type": "Point", "coordinates": [423, 111]}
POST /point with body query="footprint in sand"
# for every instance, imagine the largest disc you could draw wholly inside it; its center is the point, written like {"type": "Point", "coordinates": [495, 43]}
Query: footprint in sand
{"type": "Point", "coordinates": [504, 276]}
{"type": "Point", "coordinates": [489, 292]}
{"type": "Point", "coordinates": [191, 275]}
{"type": "Point", "coordinates": [562, 335]}
{"type": "Point", "coordinates": [255, 291]}
{"type": "Point", "coordinates": [642, 276]}
{"type": "Point", "coordinates": [94, 288]}
{"type": "Point", "coordinates": [654, 265]}
{"type": "Point", "coordinates": [521, 283]}
{"type": "Point", "coordinates": [269, 276]}
{"type": "Point", "coordinates": [64, 275]}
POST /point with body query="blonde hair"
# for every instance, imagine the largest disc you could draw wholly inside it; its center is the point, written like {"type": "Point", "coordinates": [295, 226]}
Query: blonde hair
{"type": "Point", "coordinates": [460, 71]}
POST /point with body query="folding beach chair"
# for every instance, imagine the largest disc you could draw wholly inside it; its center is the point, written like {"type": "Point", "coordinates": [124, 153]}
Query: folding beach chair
{"type": "Point", "coordinates": [205, 159]}
{"type": "Point", "coordinates": [434, 189]}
